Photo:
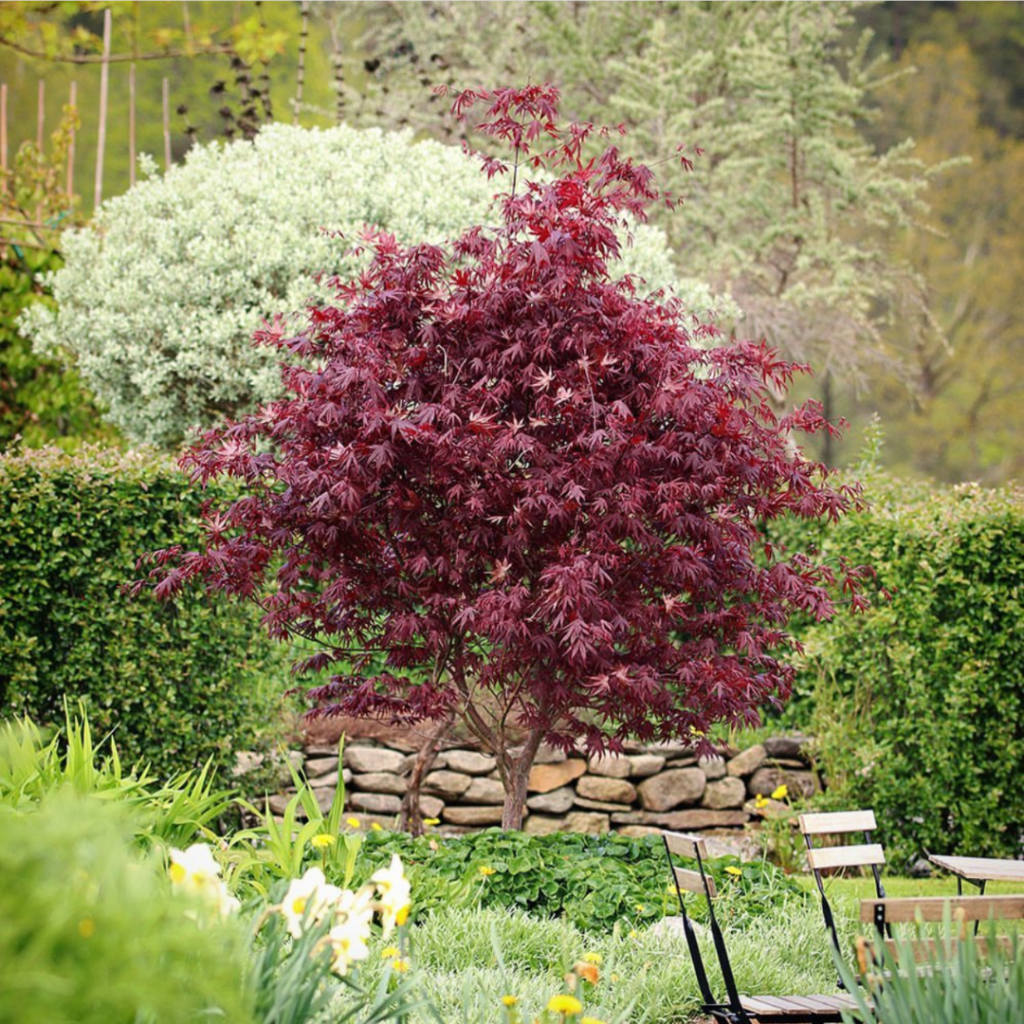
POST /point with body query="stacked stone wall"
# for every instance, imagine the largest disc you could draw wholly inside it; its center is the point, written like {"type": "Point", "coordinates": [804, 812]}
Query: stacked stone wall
{"type": "Point", "coordinates": [640, 791]}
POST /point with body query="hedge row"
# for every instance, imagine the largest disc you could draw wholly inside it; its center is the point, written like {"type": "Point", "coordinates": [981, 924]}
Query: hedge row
{"type": "Point", "coordinates": [917, 704]}
{"type": "Point", "coordinates": [178, 683]}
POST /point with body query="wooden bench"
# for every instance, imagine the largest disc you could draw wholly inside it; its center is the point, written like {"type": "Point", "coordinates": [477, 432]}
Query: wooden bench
{"type": "Point", "coordinates": [958, 910]}
{"type": "Point", "coordinates": [736, 1008]}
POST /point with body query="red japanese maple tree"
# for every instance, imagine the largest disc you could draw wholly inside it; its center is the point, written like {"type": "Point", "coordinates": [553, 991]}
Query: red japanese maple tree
{"type": "Point", "coordinates": [539, 494]}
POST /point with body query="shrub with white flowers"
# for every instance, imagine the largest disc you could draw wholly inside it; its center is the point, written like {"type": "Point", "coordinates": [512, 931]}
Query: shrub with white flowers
{"type": "Point", "coordinates": [158, 299]}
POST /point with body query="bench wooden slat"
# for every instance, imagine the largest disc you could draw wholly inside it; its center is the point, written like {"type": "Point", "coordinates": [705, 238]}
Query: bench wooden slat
{"type": "Point", "coordinates": [691, 881]}
{"type": "Point", "coordinates": [845, 856]}
{"type": "Point", "coordinates": [933, 908]}
{"type": "Point", "coordinates": [805, 1008]}
{"type": "Point", "coordinates": [837, 822]}
{"type": "Point", "coordinates": [683, 845]}
{"type": "Point", "coordinates": [927, 949]}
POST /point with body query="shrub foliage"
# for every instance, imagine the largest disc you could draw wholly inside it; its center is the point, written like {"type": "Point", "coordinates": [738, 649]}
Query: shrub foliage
{"type": "Point", "coordinates": [178, 682]}
{"type": "Point", "coordinates": [158, 300]}
{"type": "Point", "coordinates": [918, 702]}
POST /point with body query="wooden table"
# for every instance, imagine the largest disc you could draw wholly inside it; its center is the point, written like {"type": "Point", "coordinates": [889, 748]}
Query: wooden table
{"type": "Point", "coordinates": [979, 870]}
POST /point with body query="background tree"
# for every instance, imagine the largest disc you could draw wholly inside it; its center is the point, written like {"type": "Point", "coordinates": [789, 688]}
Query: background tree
{"type": "Point", "coordinates": [522, 483]}
{"type": "Point", "coordinates": [790, 210]}
{"type": "Point", "coordinates": [159, 298]}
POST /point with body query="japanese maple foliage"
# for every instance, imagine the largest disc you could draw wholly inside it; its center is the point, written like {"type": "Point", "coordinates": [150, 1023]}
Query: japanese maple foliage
{"type": "Point", "coordinates": [539, 493]}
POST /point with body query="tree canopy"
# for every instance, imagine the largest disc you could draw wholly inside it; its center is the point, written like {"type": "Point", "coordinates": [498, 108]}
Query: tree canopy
{"type": "Point", "coordinates": [524, 482]}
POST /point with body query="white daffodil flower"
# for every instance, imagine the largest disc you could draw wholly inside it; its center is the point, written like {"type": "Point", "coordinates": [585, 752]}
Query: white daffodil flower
{"type": "Point", "coordinates": [308, 898]}
{"type": "Point", "coordinates": [351, 931]}
{"type": "Point", "coordinates": [394, 894]}
{"type": "Point", "coordinates": [194, 870]}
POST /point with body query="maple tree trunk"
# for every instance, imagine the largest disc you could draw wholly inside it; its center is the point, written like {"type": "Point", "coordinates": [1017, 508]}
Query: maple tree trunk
{"type": "Point", "coordinates": [411, 819]}
{"type": "Point", "coordinates": [515, 773]}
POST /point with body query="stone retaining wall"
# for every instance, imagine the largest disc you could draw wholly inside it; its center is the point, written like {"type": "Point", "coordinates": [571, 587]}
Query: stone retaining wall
{"type": "Point", "coordinates": [638, 792]}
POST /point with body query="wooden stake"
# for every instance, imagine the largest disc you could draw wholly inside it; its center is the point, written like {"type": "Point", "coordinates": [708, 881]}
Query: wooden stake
{"type": "Point", "coordinates": [40, 115]}
{"type": "Point", "coordinates": [104, 90]}
{"type": "Point", "coordinates": [131, 125]}
{"type": "Point", "coordinates": [73, 104]}
{"type": "Point", "coordinates": [167, 124]}
{"type": "Point", "coordinates": [3, 131]}
{"type": "Point", "coordinates": [300, 76]}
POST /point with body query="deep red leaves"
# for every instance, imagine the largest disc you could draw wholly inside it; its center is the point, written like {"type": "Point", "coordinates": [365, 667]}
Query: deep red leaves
{"type": "Point", "coordinates": [510, 476]}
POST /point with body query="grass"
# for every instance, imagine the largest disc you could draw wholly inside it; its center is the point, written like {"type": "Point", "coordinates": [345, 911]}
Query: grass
{"type": "Point", "coordinates": [468, 959]}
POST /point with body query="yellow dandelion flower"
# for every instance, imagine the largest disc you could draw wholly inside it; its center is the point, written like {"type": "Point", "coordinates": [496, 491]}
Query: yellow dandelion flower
{"type": "Point", "coordinates": [780, 793]}
{"type": "Point", "coordinates": [591, 1020]}
{"type": "Point", "coordinates": [632, 933]}
{"type": "Point", "coordinates": [592, 958]}
{"type": "Point", "coordinates": [730, 870]}
{"type": "Point", "coordinates": [400, 965]}
{"type": "Point", "coordinates": [352, 822]}
{"type": "Point", "coordinates": [322, 841]}
{"type": "Point", "coordinates": [509, 1001]}
{"type": "Point", "coordinates": [485, 870]}
{"type": "Point", "coordinates": [390, 952]}
{"type": "Point", "coordinates": [639, 908]}
{"type": "Point", "coordinates": [566, 1005]}
{"type": "Point", "coordinates": [760, 801]}
{"type": "Point", "coordinates": [375, 827]}
{"type": "Point", "coordinates": [431, 821]}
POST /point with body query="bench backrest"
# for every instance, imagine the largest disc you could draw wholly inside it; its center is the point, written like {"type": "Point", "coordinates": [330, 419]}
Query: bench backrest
{"type": "Point", "coordinates": [931, 909]}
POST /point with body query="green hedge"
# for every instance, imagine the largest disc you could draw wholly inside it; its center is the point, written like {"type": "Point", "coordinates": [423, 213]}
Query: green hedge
{"type": "Point", "coordinates": [178, 683]}
{"type": "Point", "coordinates": [917, 704]}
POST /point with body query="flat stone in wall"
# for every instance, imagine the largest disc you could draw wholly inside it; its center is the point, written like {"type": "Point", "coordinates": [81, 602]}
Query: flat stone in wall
{"type": "Point", "coordinates": [615, 766]}
{"type": "Point", "coordinates": [484, 791]}
{"type": "Point", "coordinates": [364, 760]}
{"type": "Point", "coordinates": [381, 782]}
{"type": "Point", "coordinates": [727, 792]}
{"type": "Point", "coordinates": [712, 767]}
{"type": "Point", "coordinates": [558, 801]}
{"type": "Point", "coordinates": [546, 777]}
{"type": "Point", "coordinates": [469, 762]}
{"type": "Point", "coordinates": [375, 803]}
{"type": "Point", "coordinates": [643, 765]}
{"type": "Point", "coordinates": [747, 761]}
{"type": "Point", "coordinates": [766, 780]}
{"type": "Point", "coordinates": [611, 790]}
{"type": "Point", "coordinates": [670, 788]}
{"type": "Point", "coordinates": [586, 821]}
{"type": "Point", "coordinates": [472, 815]}
{"type": "Point", "coordinates": [445, 784]}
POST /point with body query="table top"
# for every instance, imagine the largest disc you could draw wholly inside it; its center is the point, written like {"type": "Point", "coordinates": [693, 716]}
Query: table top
{"type": "Point", "coordinates": [988, 869]}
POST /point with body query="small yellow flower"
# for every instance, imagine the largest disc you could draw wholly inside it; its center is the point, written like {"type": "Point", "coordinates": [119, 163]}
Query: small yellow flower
{"type": "Point", "coordinates": [632, 933]}
{"type": "Point", "coordinates": [760, 802]}
{"type": "Point", "coordinates": [730, 870]}
{"type": "Point", "coordinates": [613, 977]}
{"type": "Point", "coordinates": [567, 1005]}
{"type": "Point", "coordinates": [485, 870]}
{"type": "Point", "coordinates": [322, 841]}
{"type": "Point", "coordinates": [780, 793]}
{"type": "Point", "coordinates": [431, 821]}
{"type": "Point", "coordinates": [509, 1001]}
{"type": "Point", "coordinates": [390, 952]}
{"type": "Point", "coordinates": [400, 965]}
{"type": "Point", "coordinates": [592, 958]}
{"type": "Point", "coordinates": [87, 927]}
{"type": "Point", "coordinates": [639, 908]}
{"type": "Point", "coordinates": [352, 822]}
{"type": "Point", "coordinates": [375, 826]}
{"type": "Point", "coordinates": [591, 1020]}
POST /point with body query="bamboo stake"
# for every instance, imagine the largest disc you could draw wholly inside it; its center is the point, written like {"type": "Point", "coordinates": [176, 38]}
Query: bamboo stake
{"type": "Point", "coordinates": [3, 132]}
{"type": "Point", "coordinates": [104, 90]}
{"type": "Point", "coordinates": [167, 124]}
{"type": "Point", "coordinates": [300, 76]}
{"type": "Point", "coordinates": [73, 103]}
{"type": "Point", "coordinates": [40, 115]}
{"type": "Point", "coordinates": [131, 125]}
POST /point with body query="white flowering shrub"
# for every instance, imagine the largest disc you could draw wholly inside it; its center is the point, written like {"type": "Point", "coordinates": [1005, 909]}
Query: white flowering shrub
{"type": "Point", "coordinates": [158, 299]}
